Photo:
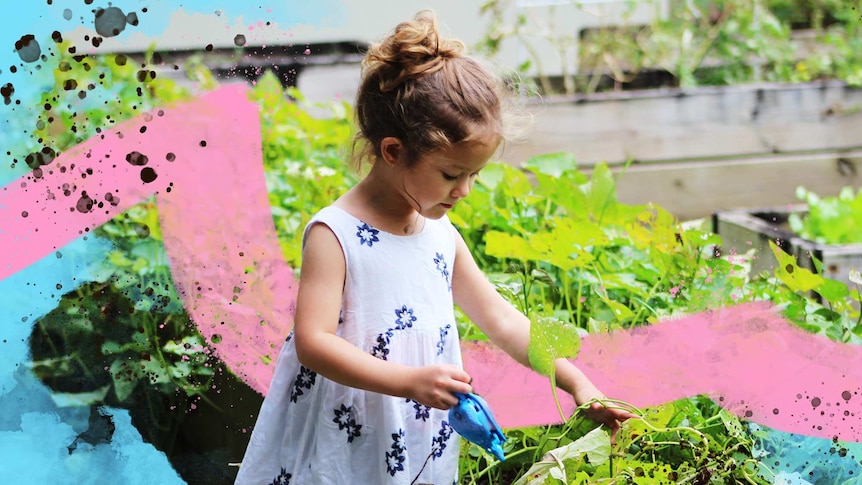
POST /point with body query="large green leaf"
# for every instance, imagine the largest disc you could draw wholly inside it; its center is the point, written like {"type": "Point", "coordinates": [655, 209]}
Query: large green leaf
{"type": "Point", "coordinates": [595, 445]}
{"type": "Point", "coordinates": [503, 245]}
{"type": "Point", "coordinates": [551, 339]}
{"type": "Point", "coordinates": [601, 191]}
{"type": "Point", "coordinates": [796, 278]}
{"type": "Point", "coordinates": [553, 164]}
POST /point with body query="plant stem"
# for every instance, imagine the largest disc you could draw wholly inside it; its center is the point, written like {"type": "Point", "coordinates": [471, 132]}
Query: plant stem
{"type": "Point", "coordinates": [556, 398]}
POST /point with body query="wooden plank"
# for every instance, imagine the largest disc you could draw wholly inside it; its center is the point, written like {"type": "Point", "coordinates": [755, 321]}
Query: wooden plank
{"type": "Point", "coordinates": [692, 190]}
{"type": "Point", "coordinates": [696, 123]}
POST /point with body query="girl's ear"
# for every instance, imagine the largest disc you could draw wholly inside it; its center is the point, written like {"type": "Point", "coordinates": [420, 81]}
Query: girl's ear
{"type": "Point", "coordinates": [392, 150]}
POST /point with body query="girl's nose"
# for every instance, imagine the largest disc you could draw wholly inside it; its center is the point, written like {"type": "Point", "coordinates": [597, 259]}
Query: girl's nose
{"type": "Point", "coordinates": [463, 188]}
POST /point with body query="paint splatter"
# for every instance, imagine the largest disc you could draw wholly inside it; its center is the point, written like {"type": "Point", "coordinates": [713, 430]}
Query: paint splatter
{"type": "Point", "coordinates": [67, 14]}
{"type": "Point", "coordinates": [137, 159]}
{"type": "Point", "coordinates": [41, 158]}
{"type": "Point", "coordinates": [84, 204]}
{"type": "Point", "coordinates": [148, 175]}
{"type": "Point", "coordinates": [110, 21]}
{"type": "Point", "coordinates": [7, 91]}
{"type": "Point", "coordinates": [239, 40]}
{"type": "Point", "coordinates": [28, 48]}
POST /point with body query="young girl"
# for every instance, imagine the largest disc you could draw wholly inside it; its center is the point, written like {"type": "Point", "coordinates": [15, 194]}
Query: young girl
{"type": "Point", "coordinates": [363, 382]}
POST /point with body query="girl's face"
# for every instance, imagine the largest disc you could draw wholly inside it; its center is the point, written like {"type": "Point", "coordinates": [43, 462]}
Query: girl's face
{"type": "Point", "coordinates": [439, 179]}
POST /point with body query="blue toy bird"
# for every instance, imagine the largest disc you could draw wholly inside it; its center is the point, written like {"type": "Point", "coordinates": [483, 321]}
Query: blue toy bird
{"type": "Point", "coordinates": [473, 420]}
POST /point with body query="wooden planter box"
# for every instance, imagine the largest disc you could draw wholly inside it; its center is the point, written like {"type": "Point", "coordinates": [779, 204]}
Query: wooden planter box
{"type": "Point", "coordinates": [742, 230]}
{"type": "Point", "coordinates": [699, 150]}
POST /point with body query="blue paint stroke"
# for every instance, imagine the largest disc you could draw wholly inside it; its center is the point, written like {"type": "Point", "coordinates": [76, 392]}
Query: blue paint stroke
{"type": "Point", "coordinates": [36, 429]}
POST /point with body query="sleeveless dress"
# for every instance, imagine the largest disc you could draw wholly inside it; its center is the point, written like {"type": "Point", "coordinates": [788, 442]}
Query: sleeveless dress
{"type": "Point", "coordinates": [397, 306]}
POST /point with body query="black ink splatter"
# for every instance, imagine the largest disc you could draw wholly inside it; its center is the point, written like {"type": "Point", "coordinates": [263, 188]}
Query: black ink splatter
{"type": "Point", "coordinates": [85, 203]}
{"type": "Point", "coordinates": [170, 157]}
{"type": "Point", "coordinates": [143, 74]}
{"type": "Point", "coordinates": [28, 48]}
{"type": "Point", "coordinates": [6, 91]}
{"type": "Point", "coordinates": [132, 18]}
{"type": "Point", "coordinates": [110, 21]}
{"type": "Point", "coordinates": [148, 175]}
{"type": "Point", "coordinates": [38, 159]}
{"type": "Point", "coordinates": [137, 158]}
{"type": "Point", "coordinates": [239, 40]}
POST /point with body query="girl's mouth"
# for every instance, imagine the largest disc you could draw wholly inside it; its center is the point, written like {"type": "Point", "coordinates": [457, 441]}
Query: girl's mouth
{"type": "Point", "coordinates": [447, 206]}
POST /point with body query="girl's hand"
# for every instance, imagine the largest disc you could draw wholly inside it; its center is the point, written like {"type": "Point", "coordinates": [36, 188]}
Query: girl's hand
{"type": "Point", "coordinates": [433, 385]}
{"type": "Point", "coordinates": [610, 417]}
{"type": "Point", "coordinates": [575, 382]}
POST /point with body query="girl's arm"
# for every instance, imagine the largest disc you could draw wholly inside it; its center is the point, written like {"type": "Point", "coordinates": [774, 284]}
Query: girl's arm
{"type": "Point", "coordinates": [509, 329]}
{"type": "Point", "coordinates": [321, 350]}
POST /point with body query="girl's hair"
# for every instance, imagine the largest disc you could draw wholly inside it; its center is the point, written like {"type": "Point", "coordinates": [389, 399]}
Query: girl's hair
{"type": "Point", "coordinates": [424, 90]}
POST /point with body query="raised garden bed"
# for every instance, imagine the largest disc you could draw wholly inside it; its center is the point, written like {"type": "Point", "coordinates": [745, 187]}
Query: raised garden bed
{"type": "Point", "coordinates": [742, 230]}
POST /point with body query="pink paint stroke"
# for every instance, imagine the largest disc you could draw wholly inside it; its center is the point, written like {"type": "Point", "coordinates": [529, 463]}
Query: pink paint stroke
{"type": "Point", "coordinates": [226, 262]}
{"type": "Point", "coordinates": [215, 218]}
{"type": "Point", "coordinates": [748, 358]}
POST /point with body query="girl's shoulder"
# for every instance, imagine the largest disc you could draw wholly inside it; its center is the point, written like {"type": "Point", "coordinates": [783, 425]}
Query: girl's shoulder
{"type": "Point", "coordinates": [335, 218]}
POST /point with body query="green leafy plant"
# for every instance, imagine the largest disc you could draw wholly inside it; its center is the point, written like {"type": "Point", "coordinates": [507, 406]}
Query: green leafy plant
{"type": "Point", "coordinates": [551, 339]}
{"type": "Point", "coordinates": [716, 42]}
{"type": "Point", "coordinates": [686, 441]}
{"type": "Point", "coordinates": [829, 220]}
{"type": "Point", "coordinates": [304, 158]}
{"type": "Point", "coordinates": [561, 245]}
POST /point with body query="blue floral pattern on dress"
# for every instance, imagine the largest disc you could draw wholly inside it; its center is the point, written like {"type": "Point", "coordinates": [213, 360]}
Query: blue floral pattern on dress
{"type": "Point", "coordinates": [283, 478]}
{"type": "Point", "coordinates": [367, 234]}
{"type": "Point", "coordinates": [345, 421]}
{"type": "Point", "coordinates": [438, 444]}
{"type": "Point", "coordinates": [443, 268]}
{"type": "Point", "coordinates": [395, 457]}
{"type": "Point", "coordinates": [405, 318]}
{"type": "Point", "coordinates": [304, 380]}
{"type": "Point", "coordinates": [423, 412]}
{"type": "Point", "coordinates": [381, 350]}
{"type": "Point", "coordinates": [441, 344]}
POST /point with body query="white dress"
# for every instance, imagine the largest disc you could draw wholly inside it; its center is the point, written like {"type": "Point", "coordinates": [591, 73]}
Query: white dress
{"type": "Point", "coordinates": [397, 306]}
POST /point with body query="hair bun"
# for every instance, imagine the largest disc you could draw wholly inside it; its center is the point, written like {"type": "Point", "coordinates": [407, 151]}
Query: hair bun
{"type": "Point", "coordinates": [411, 51]}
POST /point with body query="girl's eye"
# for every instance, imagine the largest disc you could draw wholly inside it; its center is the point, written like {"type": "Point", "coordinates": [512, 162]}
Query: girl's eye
{"type": "Point", "coordinates": [449, 177]}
